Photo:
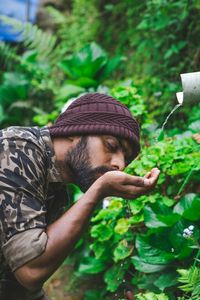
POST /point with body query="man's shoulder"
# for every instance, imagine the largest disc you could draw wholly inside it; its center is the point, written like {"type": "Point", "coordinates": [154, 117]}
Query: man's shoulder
{"type": "Point", "coordinates": [24, 136]}
{"type": "Point", "coordinates": [19, 132]}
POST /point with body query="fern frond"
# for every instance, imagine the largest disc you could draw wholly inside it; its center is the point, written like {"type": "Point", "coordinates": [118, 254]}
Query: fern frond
{"type": "Point", "coordinates": [33, 37]}
{"type": "Point", "coordinates": [58, 17]}
{"type": "Point", "coordinates": [8, 55]}
{"type": "Point", "coordinates": [191, 281]}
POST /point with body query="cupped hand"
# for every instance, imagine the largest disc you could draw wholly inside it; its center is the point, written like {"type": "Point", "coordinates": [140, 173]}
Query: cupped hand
{"type": "Point", "coordinates": [120, 184]}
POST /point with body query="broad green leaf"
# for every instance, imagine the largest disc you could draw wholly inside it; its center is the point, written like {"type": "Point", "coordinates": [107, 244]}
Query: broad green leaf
{"type": "Point", "coordinates": [150, 254]}
{"type": "Point", "coordinates": [101, 232]}
{"type": "Point", "coordinates": [144, 267]}
{"type": "Point", "coordinates": [145, 281]}
{"type": "Point", "coordinates": [150, 218]}
{"type": "Point", "coordinates": [86, 63]}
{"type": "Point", "coordinates": [136, 219]}
{"type": "Point", "coordinates": [136, 206]}
{"type": "Point", "coordinates": [69, 90]}
{"type": "Point", "coordinates": [122, 251]}
{"type": "Point", "coordinates": [111, 65]}
{"type": "Point", "coordinates": [91, 265]}
{"type": "Point", "coordinates": [166, 280]}
{"type": "Point", "coordinates": [189, 207]}
{"type": "Point", "coordinates": [180, 245]}
{"type": "Point", "coordinates": [159, 215]}
{"type": "Point", "coordinates": [114, 276]}
{"type": "Point", "coordinates": [122, 226]}
{"type": "Point", "coordinates": [98, 248]}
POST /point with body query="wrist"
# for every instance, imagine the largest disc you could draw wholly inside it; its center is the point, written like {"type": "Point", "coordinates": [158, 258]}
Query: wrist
{"type": "Point", "coordinates": [96, 190]}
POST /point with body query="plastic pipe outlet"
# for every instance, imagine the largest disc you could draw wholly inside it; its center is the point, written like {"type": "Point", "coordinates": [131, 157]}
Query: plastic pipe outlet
{"type": "Point", "coordinates": [191, 87]}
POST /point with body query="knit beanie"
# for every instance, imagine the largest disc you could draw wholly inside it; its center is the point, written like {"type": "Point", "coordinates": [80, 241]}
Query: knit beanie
{"type": "Point", "coordinates": [97, 114]}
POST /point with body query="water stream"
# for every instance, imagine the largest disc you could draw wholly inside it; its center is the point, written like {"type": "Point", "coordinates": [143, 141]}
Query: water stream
{"type": "Point", "coordinates": [166, 120]}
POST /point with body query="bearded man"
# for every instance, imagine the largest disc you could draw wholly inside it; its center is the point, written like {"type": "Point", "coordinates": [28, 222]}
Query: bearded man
{"type": "Point", "coordinates": [89, 145]}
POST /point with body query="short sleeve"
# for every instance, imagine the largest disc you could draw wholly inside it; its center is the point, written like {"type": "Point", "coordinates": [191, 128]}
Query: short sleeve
{"type": "Point", "coordinates": [23, 170]}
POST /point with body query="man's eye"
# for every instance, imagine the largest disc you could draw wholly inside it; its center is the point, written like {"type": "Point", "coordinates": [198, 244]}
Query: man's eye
{"type": "Point", "coordinates": [112, 147]}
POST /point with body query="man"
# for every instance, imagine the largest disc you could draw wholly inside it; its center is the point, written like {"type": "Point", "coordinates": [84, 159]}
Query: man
{"type": "Point", "coordinates": [90, 144]}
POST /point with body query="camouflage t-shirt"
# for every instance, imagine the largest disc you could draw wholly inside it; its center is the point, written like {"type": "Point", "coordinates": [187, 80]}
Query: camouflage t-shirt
{"type": "Point", "coordinates": [31, 195]}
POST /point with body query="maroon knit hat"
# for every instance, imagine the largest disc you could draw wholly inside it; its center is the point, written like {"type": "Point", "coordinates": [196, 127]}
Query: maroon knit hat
{"type": "Point", "coordinates": [97, 114]}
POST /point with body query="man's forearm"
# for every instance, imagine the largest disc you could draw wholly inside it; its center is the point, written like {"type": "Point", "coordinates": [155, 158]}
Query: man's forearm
{"type": "Point", "coordinates": [62, 236]}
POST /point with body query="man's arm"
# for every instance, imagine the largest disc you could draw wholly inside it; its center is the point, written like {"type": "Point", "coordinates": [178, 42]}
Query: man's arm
{"type": "Point", "coordinates": [66, 231]}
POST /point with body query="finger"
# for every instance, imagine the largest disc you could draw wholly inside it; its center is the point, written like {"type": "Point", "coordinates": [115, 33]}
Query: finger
{"type": "Point", "coordinates": [153, 177]}
{"type": "Point", "coordinates": [148, 175]}
{"type": "Point", "coordinates": [129, 295]}
{"type": "Point", "coordinates": [132, 192]}
{"type": "Point", "coordinates": [135, 181]}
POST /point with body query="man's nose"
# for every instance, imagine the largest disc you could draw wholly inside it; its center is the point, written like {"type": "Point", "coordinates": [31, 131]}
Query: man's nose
{"type": "Point", "coordinates": [118, 162]}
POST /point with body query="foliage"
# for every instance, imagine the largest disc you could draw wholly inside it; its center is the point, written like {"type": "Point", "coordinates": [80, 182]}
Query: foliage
{"type": "Point", "coordinates": [145, 243]}
{"type": "Point", "coordinates": [90, 66]}
{"type": "Point", "coordinates": [190, 280]}
{"type": "Point", "coordinates": [47, 80]}
{"type": "Point", "coordinates": [78, 26]}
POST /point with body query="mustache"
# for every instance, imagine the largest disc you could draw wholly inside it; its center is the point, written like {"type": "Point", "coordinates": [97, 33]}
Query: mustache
{"type": "Point", "coordinates": [102, 170]}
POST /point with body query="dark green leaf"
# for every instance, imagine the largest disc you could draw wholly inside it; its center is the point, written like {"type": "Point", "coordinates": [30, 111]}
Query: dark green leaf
{"type": "Point", "coordinates": [144, 267]}
{"type": "Point", "coordinates": [189, 207]}
{"type": "Point", "coordinates": [166, 280]}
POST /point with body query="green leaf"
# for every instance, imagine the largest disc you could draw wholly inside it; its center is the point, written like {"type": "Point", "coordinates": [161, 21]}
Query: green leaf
{"type": "Point", "coordinates": [151, 296]}
{"type": "Point", "coordinates": [111, 65]}
{"type": "Point", "coordinates": [166, 280]}
{"type": "Point", "coordinates": [136, 219]}
{"type": "Point", "coordinates": [122, 251]}
{"type": "Point", "coordinates": [85, 63]}
{"type": "Point", "coordinates": [136, 206]}
{"type": "Point", "coordinates": [69, 90]}
{"type": "Point", "coordinates": [94, 295]}
{"type": "Point", "coordinates": [101, 232]}
{"type": "Point", "coordinates": [114, 276]}
{"type": "Point", "coordinates": [98, 248]}
{"type": "Point", "coordinates": [91, 265]}
{"type": "Point", "coordinates": [180, 245]}
{"type": "Point", "coordinates": [122, 226]}
{"type": "Point", "coordinates": [150, 254]}
{"type": "Point", "coordinates": [159, 215]}
{"type": "Point", "coordinates": [189, 207]}
{"type": "Point", "coordinates": [144, 267]}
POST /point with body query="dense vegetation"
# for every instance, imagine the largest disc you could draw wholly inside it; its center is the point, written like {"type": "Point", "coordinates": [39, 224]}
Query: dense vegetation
{"type": "Point", "coordinates": [153, 243]}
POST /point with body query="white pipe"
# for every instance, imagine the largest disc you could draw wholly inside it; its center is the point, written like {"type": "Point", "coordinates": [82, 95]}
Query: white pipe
{"type": "Point", "coordinates": [191, 87]}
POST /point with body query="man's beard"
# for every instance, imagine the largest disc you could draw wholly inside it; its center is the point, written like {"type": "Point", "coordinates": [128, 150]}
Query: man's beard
{"type": "Point", "coordinates": [78, 161]}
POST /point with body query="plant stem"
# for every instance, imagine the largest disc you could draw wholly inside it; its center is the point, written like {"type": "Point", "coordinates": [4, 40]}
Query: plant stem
{"type": "Point", "coordinates": [185, 181]}
{"type": "Point", "coordinates": [196, 258]}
